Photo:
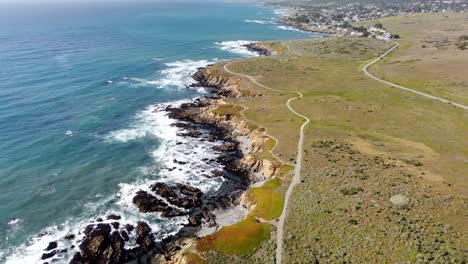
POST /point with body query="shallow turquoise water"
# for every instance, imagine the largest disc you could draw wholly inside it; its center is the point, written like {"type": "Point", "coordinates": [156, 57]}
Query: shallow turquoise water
{"type": "Point", "coordinates": [79, 129]}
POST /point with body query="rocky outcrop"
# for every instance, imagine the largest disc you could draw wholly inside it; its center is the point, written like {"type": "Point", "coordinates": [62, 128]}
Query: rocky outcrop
{"type": "Point", "coordinates": [260, 49]}
{"type": "Point", "coordinates": [102, 246]}
{"type": "Point", "coordinates": [147, 203]}
{"type": "Point", "coordinates": [221, 85]}
{"type": "Point", "coordinates": [176, 198]}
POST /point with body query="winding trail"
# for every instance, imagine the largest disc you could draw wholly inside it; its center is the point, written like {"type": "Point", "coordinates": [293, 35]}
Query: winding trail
{"type": "Point", "coordinates": [365, 69]}
{"type": "Point", "coordinates": [297, 168]}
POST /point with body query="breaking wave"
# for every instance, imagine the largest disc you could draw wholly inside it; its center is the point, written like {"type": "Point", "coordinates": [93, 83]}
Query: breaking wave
{"type": "Point", "coordinates": [237, 47]}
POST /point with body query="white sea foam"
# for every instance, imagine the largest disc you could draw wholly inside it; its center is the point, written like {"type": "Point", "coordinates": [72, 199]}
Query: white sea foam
{"type": "Point", "coordinates": [237, 47]}
{"type": "Point", "coordinates": [289, 28]}
{"type": "Point", "coordinates": [13, 222]}
{"type": "Point", "coordinates": [178, 74]}
{"type": "Point", "coordinates": [281, 12]}
{"type": "Point", "coordinates": [262, 22]}
{"type": "Point", "coordinates": [148, 123]}
{"type": "Point", "coordinates": [154, 122]}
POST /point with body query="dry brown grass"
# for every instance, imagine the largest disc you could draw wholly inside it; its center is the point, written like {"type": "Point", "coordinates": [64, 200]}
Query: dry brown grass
{"type": "Point", "coordinates": [430, 58]}
{"type": "Point", "coordinates": [382, 128]}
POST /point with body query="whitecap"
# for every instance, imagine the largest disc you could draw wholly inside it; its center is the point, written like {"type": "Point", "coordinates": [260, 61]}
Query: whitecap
{"type": "Point", "coordinates": [69, 133]}
{"type": "Point", "coordinates": [13, 222]}
{"type": "Point", "coordinates": [281, 12]}
{"type": "Point", "coordinates": [262, 22]}
{"type": "Point", "coordinates": [237, 47]}
{"type": "Point", "coordinates": [289, 28]}
{"type": "Point", "coordinates": [148, 123]}
{"type": "Point", "coordinates": [178, 74]}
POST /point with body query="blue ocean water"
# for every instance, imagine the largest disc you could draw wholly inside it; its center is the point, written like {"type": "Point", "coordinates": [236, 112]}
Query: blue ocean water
{"type": "Point", "coordinates": [80, 123]}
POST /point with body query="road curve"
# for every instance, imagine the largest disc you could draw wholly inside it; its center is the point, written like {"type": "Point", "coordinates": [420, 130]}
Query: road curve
{"type": "Point", "coordinates": [297, 168]}
{"type": "Point", "coordinates": [365, 69]}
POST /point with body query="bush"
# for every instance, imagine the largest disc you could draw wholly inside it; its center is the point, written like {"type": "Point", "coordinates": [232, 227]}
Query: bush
{"type": "Point", "coordinates": [463, 38]}
{"type": "Point", "coordinates": [378, 25]}
{"type": "Point", "coordinates": [351, 190]}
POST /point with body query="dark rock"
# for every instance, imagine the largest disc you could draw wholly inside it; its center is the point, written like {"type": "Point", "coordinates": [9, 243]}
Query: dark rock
{"type": "Point", "coordinates": [113, 217]}
{"type": "Point", "coordinates": [70, 237]}
{"type": "Point", "coordinates": [254, 47]}
{"type": "Point", "coordinates": [179, 162]}
{"type": "Point", "coordinates": [99, 246]}
{"type": "Point", "coordinates": [117, 246]}
{"type": "Point", "coordinates": [129, 228]}
{"type": "Point", "coordinates": [217, 173]}
{"type": "Point", "coordinates": [52, 245]}
{"type": "Point", "coordinates": [76, 258]}
{"type": "Point", "coordinates": [99, 220]}
{"type": "Point", "coordinates": [115, 225]}
{"type": "Point", "coordinates": [49, 254]}
{"type": "Point", "coordinates": [171, 212]}
{"type": "Point", "coordinates": [191, 133]}
{"type": "Point", "coordinates": [149, 203]}
{"type": "Point", "coordinates": [226, 147]}
{"type": "Point", "coordinates": [189, 190]}
{"type": "Point", "coordinates": [183, 202]}
{"type": "Point", "coordinates": [88, 229]}
{"type": "Point", "coordinates": [163, 190]}
{"type": "Point", "coordinates": [124, 235]}
{"type": "Point", "coordinates": [194, 220]}
{"type": "Point", "coordinates": [144, 237]}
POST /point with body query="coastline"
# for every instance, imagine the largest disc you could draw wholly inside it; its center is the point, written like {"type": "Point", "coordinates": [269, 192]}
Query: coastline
{"type": "Point", "coordinates": [203, 119]}
{"type": "Point", "coordinates": [120, 233]}
{"type": "Point", "coordinates": [250, 139]}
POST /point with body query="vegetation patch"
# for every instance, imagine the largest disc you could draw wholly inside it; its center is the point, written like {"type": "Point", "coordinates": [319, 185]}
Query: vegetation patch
{"type": "Point", "coordinates": [351, 190]}
{"type": "Point", "coordinates": [227, 109]}
{"type": "Point", "coordinates": [275, 46]}
{"type": "Point", "coordinates": [285, 168]}
{"type": "Point", "coordinates": [268, 200]}
{"type": "Point", "coordinates": [269, 144]}
{"type": "Point", "coordinates": [242, 238]}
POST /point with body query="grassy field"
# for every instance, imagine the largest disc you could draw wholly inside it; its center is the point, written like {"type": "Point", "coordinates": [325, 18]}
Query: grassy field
{"type": "Point", "coordinates": [366, 143]}
{"type": "Point", "coordinates": [433, 57]}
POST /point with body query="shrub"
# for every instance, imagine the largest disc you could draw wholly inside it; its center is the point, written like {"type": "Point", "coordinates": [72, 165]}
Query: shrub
{"type": "Point", "coordinates": [463, 38]}
{"type": "Point", "coordinates": [351, 190]}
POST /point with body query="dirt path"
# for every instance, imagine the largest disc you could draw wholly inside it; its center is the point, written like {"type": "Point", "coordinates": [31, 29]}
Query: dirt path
{"type": "Point", "coordinates": [297, 168]}
{"type": "Point", "coordinates": [366, 68]}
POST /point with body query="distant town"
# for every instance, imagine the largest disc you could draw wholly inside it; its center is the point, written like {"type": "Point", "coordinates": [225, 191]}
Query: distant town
{"type": "Point", "coordinates": [336, 17]}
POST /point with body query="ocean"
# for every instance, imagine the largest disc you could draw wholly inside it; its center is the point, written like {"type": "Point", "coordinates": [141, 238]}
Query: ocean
{"type": "Point", "coordinates": [82, 88]}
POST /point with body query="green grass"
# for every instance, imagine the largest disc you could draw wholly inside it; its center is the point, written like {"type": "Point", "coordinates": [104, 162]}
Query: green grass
{"type": "Point", "coordinates": [344, 104]}
{"type": "Point", "coordinates": [269, 144]}
{"type": "Point", "coordinates": [286, 168]}
{"type": "Point", "coordinates": [242, 238]}
{"type": "Point", "coordinates": [268, 200]}
{"type": "Point", "coordinates": [227, 109]}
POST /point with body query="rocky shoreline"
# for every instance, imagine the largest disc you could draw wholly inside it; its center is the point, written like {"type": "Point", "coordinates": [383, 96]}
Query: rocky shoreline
{"type": "Point", "coordinates": [112, 241]}
{"type": "Point", "coordinates": [260, 49]}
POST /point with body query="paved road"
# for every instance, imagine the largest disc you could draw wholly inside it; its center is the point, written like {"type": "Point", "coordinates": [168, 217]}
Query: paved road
{"type": "Point", "coordinates": [297, 169]}
{"type": "Point", "coordinates": [366, 68]}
